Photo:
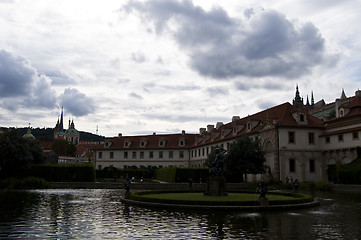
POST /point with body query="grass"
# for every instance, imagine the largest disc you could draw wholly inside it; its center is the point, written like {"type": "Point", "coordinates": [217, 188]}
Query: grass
{"type": "Point", "coordinates": [232, 197]}
{"type": "Point", "coordinates": [198, 198]}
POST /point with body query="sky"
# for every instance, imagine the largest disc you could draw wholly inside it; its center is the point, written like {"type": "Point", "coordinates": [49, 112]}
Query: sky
{"type": "Point", "coordinates": [138, 67]}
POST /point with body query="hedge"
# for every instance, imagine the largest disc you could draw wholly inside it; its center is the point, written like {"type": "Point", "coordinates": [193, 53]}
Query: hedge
{"type": "Point", "coordinates": [174, 174]}
{"type": "Point", "coordinates": [350, 173]}
{"type": "Point", "coordinates": [112, 172]}
{"type": "Point", "coordinates": [64, 172]}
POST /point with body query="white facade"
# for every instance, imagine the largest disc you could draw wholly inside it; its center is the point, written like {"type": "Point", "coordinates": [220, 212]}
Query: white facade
{"type": "Point", "coordinates": [296, 144]}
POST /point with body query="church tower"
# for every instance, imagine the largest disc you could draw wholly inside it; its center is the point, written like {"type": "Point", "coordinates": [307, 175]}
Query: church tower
{"type": "Point", "coordinates": [298, 101]}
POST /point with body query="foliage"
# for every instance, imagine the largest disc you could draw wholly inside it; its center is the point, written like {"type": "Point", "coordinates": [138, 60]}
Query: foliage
{"type": "Point", "coordinates": [64, 172]}
{"type": "Point", "coordinates": [112, 172]}
{"type": "Point", "coordinates": [350, 173]}
{"type": "Point", "coordinates": [166, 174]}
{"type": "Point", "coordinates": [244, 156]}
{"type": "Point", "coordinates": [17, 154]}
{"type": "Point", "coordinates": [183, 174]}
{"type": "Point", "coordinates": [63, 148]}
{"type": "Point", "coordinates": [25, 183]}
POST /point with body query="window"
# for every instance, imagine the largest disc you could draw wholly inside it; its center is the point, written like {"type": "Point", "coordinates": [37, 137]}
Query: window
{"type": "Point", "coordinates": [302, 118]}
{"type": "Point", "coordinates": [134, 154]}
{"type": "Point", "coordinates": [181, 142]}
{"type": "Point", "coordinates": [202, 151]}
{"type": "Point", "coordinates": [126, 144]}
{"type": "Point", "coordinates": [312, 166]}
{"type": "Point", "coordinates": [170, 154]}
{"type": "Point", "coordinates": [181, 154]}
{"type": "Point", "coordinates": [151, 154]}
{"type": "Point", "coordinates": [111, 155]}
{"type": "Point", "coordinates": [141, 155]}
{"type": "Point", "coordinates": [160, 154]}
{"type": "Point", "coordinates": [292, 165]}
{"type": "Point", "coordinates": [340, 138]}
{"type": "Point", "coordinates": [125, 154]}
{"type": "Point", "coordinates": [355, 135]}
{"type": "Point", "coordinates": [291, 137]}
{"type": "Point", "coordinates": [311, 138]}
{"type": "Point", "coordinates": [327, 139]}
{"type": "Point", "coordinates": [100, 154]}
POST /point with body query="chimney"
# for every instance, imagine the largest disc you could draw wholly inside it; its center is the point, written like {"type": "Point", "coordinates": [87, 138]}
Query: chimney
{"type": "Point", "coordinates": [358, 93]}
{"type": "Point", "coordinates": [154, 133]}
{"type": "Point", "coordinates": [202, 130]}
{"type": "Point", "coordinates": [120, 135]}
{"type": "Point", "coordinates": [219, 124]}
{"type": "Point", "coordinates": [183, 132]}
{"type": "Point", "coordinates": [235, 118]}
{"type": "Point", "coordinates": [210, 128]}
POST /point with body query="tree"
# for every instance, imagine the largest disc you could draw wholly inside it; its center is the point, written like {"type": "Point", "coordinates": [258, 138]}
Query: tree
{"type": "Point", "coordinates": [17, 154]}
{"type": "Point", "coordinates": [245, 156]}
{"type": "Point", "coordinates": [63, 148]}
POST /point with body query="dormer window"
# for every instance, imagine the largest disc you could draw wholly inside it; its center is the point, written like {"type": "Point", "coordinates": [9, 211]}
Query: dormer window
{"type": "Point", "coordinates": [342, 112]}
{"type": "Point", "coordinates": [143, 143]}
{"type": "Point", "coordinates": [302, 117]}
{"type": "Point", "coordinates": [161, 143]}
{"type": "Point", "coordinates": [127, 144]}
{"type": "Point", "coordinates": [181, 142]}
{"type": "Point", "coordinates": [249, 126]}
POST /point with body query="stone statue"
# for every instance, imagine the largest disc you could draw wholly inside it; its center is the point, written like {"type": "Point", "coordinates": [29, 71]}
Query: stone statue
{"type": "Point", "coordinates": [127, 184]}
{"type": "Point", "coordinates": [217, 164]}
{"type": "Point", "coordinates": [262, 189]}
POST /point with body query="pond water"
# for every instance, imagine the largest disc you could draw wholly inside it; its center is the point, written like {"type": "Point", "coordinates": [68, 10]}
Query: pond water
{"type": "Point", "coordinates": [99, 214]}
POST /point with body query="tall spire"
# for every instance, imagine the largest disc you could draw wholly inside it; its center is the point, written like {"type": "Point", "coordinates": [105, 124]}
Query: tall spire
{"type": "Point", "coordinates": [343, 95]}
{"type": "Point", "coordinates": [298, 101]}
{"type": "Point", "coordinates": [61, 124]}
{"type": "Point", "coordinates": [312, 99]}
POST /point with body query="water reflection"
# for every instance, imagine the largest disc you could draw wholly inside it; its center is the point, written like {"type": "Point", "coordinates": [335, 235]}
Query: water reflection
{"type": "Point", "coordinates": [99, 214]}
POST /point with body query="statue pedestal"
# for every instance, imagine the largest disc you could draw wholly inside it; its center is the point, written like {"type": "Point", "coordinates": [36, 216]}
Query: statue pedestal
{"type": "Point", "coordinates": [263, 201]}
{"type": "Point", "coordinates": [216, 186]}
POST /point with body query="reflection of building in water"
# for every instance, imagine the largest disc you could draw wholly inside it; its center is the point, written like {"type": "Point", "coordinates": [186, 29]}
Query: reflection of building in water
{"type": "Point", "coordinates": [299, 140]}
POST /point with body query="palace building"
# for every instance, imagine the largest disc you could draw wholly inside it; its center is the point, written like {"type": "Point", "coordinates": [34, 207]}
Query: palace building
{"type": "Point", "coordinates": [299, 140]}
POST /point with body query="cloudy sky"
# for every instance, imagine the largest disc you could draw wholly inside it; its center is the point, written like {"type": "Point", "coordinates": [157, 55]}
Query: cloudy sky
{"type": "Point", "coordinates": [137, 67]}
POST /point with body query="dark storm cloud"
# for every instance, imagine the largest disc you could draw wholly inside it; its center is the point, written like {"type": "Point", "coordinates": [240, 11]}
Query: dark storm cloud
{"type": "Point", "coordinates": [77, 103]}
{"type": "Point", "coordinates": [21, 86]}
{"type": "Point", "coordinates": [263, 43]}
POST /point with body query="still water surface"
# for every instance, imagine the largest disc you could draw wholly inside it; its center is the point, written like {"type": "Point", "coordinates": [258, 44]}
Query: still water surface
{"type": "Point", "coordinates": [99, 214]}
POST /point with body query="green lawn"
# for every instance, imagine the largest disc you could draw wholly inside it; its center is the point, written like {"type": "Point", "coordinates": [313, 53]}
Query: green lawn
{"type": "Point", "coordinates": [232, 197]}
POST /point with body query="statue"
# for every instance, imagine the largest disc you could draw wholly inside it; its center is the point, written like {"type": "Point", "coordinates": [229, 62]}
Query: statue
{"type": "Point", "coordinates": [262, 189]}
{"type": "Point", "coordinates": [127, 184]}
{"type": "Point", "coordinates": [217, 164]}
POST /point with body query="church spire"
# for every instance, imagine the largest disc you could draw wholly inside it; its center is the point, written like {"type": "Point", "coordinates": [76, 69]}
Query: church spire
{"type": "Point", "coordinates": [312, 99]}
{"type": "Point", "coordinates": [297, 101]}
{"type": "Point", "coordinates": [343, 95]}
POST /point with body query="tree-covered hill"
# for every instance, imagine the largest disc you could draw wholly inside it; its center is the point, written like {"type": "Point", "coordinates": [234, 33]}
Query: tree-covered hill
{"type": "Point", "coordinates": [48, 134]}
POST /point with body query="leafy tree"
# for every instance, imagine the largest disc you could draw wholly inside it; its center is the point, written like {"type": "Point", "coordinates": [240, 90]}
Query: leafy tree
{"type": "Point", "coordinates": [243, 157]}
{"type": "Point", "coordinates": [63, 148]}
{"type": "Point", "coordinates": [17, 154]}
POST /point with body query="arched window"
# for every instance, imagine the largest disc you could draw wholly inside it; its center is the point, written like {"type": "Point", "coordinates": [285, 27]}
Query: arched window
{"type": "Point", "coordinates": [302, 117]}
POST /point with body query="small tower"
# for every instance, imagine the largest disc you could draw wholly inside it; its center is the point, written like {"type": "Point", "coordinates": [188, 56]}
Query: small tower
{"type": "Point", "coordinates": [298, 101]}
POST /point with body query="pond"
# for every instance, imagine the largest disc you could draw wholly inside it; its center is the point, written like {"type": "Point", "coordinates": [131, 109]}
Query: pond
{"type": "Point", "coordinates": [99, 214]}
